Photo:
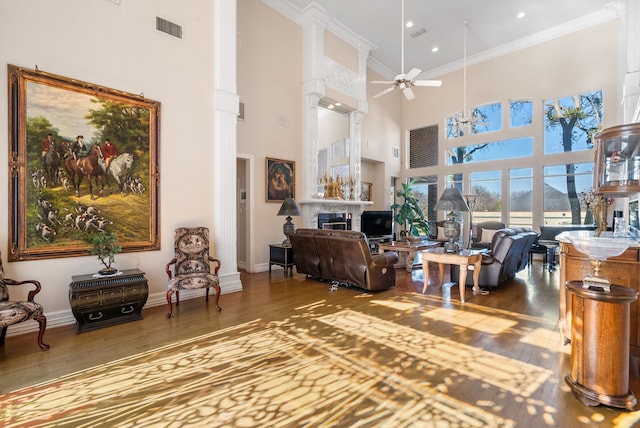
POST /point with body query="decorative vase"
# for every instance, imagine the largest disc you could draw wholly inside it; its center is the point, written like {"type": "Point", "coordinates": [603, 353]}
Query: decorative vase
{"type": "Point", "coordinates": [599, 210]}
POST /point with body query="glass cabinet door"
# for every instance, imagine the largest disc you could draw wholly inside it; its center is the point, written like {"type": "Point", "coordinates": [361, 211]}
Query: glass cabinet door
{"type": "Point", "coordinates": [617, 160]}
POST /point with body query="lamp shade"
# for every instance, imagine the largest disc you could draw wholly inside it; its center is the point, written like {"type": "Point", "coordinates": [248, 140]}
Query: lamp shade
{"type": "Point", "coordinates": [289, 208]}
{"type": "Point", "coordinates": [452, 200]}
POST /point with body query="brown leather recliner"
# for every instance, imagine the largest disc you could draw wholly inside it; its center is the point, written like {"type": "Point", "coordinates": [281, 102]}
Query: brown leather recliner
{"type": "Point", "coordinates": [342, 256]}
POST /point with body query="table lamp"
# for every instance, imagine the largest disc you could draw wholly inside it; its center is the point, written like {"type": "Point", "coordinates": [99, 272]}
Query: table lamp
{"type": "Point", "coordinates": [471, 203]}
{"type": "Point", "coordinates": [451, 200]}
{"type": "Point", "coordinates": [288, 208]}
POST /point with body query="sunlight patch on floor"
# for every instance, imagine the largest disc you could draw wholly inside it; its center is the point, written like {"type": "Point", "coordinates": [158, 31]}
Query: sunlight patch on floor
{"type": "Point", "coordinates": [405, 306]}
{"type": "Point", "coordinates": [548, 339]}
{"type": "Point", "coordinates": [515, 376]}
{"type": "Point", "coordinates": [476, 321]}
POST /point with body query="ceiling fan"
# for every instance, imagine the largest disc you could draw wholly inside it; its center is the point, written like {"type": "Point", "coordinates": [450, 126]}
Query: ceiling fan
{"type": "Point", "coordinates": [403, 81]}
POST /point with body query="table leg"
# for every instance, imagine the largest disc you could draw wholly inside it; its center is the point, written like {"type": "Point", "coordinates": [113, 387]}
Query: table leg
{"type": "Point", "coordinates": [476, 277]}
{"type": "Point", "coordinates": [410, 258]}
{"type": "Point", "coordinates": [441, 270]}
{"type": "Point", "coordinates": [463, 280]}
{"type": "Point", "coordinates": [425, 269]}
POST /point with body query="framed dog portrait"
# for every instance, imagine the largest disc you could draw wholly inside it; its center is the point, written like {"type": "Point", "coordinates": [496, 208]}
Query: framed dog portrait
{"type": "Point", "coordinates": [83, 160]}
{"type": "Point", "coordinates": [280, 179]}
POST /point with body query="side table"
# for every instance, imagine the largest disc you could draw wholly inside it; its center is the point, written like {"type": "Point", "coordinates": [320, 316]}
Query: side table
{"type": "Point", "coordinates": [102, 301]}
{"type": "Point", "coordinates": [464, 258]}
{"type": "Point", "coordinates": [281, 256]}
{"type": "Point", "coordinates": [411, 248]}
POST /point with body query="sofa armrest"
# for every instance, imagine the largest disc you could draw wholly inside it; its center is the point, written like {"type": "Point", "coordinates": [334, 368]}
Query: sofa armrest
{"type": "Point", "coordinates": [386, 259]}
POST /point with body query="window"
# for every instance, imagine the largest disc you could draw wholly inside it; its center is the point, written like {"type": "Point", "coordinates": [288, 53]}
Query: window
{"type": "Point", "coordinates": [570, 122]}
{"type": "Point", "coordinates": [488, 186]}
{"type": "Point", "coordinates": [520, 197]}
{"type": "Point", "coordinates": [508, 149]}
{"type": "Point", "coordinates": [484, 118]}
{"type": "Point", "coordinates": [521, 113]}
{"type": "Point", "coordinates": [562, 187]}
{"type": "Point", "coordinates": [425, 189]}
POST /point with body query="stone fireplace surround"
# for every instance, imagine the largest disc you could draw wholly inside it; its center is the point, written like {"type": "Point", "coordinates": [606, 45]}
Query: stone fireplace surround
{"type": "Point", "coordinates": [312, 207]}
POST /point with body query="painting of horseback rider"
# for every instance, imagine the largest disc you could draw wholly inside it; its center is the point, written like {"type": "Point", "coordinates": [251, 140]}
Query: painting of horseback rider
{"type": "Point", "coordinates": [70, 147]}
{"type": "Point", "coordinates": [79, 148]}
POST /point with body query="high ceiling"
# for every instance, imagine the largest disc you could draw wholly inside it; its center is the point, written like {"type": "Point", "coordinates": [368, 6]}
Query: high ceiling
{"type": "Point", "coordinates": [493, 25]}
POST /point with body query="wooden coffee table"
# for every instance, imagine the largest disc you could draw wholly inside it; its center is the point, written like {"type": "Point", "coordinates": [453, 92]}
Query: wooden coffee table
{"type": "Point", "coordinates": [409, 247]}
{"type": "Point", "coordinates": [463, 259]}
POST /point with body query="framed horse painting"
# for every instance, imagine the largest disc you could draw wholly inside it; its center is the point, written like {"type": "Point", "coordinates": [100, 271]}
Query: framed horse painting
{"type": "Point", "coordinates": [83, 160]}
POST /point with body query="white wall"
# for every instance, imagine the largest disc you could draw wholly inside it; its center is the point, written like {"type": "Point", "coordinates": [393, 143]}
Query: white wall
{"type": "Point", "coordinates": [117, 46]}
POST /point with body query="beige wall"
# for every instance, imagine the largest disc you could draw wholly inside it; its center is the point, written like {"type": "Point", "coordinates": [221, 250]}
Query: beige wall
{"type": "Point", "coordinates": [270, 85]}
{"type": "Point", "coordinates": [118, 46]}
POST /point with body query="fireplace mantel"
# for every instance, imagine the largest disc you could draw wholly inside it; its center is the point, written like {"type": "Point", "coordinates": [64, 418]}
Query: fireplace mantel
{"type": "Point", "coordinates": [312, 207]}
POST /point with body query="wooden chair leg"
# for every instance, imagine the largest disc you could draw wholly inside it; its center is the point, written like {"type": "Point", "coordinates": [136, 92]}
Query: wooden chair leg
{"type": "Point", "coordinates": [207, 294]}
{"type": "Point", "coordinates": [42, 321]}
{"type": "Point", "coordinates": [169, 293]}
{"type": "Point", "coordinates": [3, 334]}
{"type": "Point", "coordinates": [217, 288]}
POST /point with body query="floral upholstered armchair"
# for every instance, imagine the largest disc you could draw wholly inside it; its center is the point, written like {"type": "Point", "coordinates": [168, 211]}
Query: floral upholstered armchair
{"type": "Point", "coordinates": [192, 265]}
{"type": "Point", "coordinates": [14, 312]}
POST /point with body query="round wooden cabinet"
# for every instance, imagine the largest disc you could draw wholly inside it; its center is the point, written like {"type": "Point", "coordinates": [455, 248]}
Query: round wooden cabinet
{"type": "Point", "coordinates": [600, 345]}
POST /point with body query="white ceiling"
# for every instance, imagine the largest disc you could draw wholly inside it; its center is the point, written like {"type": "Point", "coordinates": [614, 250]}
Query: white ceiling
{"type": "Point", "coordinates": [493, 27]}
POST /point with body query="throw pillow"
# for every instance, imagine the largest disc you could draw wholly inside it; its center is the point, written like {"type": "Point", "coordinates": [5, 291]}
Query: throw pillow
{"type": "Point", "coordinates": [487, 235]}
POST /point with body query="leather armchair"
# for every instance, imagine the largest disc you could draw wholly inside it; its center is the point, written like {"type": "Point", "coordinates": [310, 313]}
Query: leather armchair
{"type": "Point", "coordinates": [508, 255]}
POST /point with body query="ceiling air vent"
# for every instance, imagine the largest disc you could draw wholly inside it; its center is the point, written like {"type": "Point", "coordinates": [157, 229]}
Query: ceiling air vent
{"type": "Point", "coordinates": [168, 27]}
{"type": "Point", "coordinates": [418, 33]}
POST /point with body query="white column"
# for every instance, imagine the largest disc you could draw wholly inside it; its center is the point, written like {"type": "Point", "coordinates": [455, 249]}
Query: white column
{"type": "Point", "coordinates": [631, 97]}
{"type": "Point", "coordinates": [225, 107]}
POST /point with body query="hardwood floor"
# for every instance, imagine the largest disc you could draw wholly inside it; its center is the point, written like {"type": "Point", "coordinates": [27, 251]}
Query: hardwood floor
{"type": "Point", "coordinates": [531, 298]}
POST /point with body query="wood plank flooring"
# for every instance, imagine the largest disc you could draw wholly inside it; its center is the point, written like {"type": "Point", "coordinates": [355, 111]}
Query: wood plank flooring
{"type": "Point", "coordinates": [531, 296]}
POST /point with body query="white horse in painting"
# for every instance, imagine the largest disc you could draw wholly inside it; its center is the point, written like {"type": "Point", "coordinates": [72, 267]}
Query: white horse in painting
{"type": "Point", "coordinates": [119, 168]}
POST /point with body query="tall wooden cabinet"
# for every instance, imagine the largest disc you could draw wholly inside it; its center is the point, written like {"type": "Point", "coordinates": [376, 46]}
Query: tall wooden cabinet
{"type": "Point", "coordinates": [623, 270]}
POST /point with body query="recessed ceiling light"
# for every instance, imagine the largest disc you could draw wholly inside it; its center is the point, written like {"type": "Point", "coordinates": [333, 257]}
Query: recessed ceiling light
{"type": "Point", "coordinates": [338, 104]}
{"type": "Point", "coordinates": [330, 106]}
{"type": "Point", "coordinates": [521, 15]}
{"type": "Point", "coordinates": [435, 49]}
{"type": "Point", "coordinates": [409, 24]}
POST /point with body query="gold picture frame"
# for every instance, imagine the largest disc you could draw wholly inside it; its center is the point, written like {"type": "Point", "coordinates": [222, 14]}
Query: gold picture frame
{"type": "Point", "coordinates": [60, 195]}
{"type": "Point", "coordinates": [280, 179]}
{"type": "Point", "coordinates": [365, 191]}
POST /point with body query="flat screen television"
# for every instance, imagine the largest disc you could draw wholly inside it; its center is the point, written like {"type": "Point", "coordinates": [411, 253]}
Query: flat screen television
{"type": "Point", "coordinates": [376, 223]}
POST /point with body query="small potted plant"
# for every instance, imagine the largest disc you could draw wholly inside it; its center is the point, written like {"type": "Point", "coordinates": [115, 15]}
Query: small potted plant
{"type": "Point", "coordinates": [409, 214]}
{"type": "Point", "coordinates": [105, 246]}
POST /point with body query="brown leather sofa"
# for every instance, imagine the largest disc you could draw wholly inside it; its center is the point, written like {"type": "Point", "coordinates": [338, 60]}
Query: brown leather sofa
{"type": "Point", "coordinates": [342, 256]}
{"type": "Point", "coordinates": [508, 255]}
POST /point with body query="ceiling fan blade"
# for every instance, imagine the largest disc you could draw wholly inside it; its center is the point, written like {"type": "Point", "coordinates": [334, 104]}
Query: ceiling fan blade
{"type": "Point", "coordinates": [408, 93]}
{"type": "Point", "coordinates": [386, 91]}
{"type": "Point", "coordinates": [413, 73]}
{"type": "Point", "coordinates": [386, 82]}
{"type": "Point", "coordinates": [436, 83]}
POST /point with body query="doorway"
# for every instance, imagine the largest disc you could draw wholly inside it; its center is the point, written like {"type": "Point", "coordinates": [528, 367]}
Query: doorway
{"type": "Point", "coordinates": [244, 180]}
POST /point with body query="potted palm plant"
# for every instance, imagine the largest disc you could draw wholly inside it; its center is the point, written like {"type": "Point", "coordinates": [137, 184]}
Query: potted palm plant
{"type": "Point", "coordinates": [105, 246]}
{"type": "Point", "coordinates": [409, 213]}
